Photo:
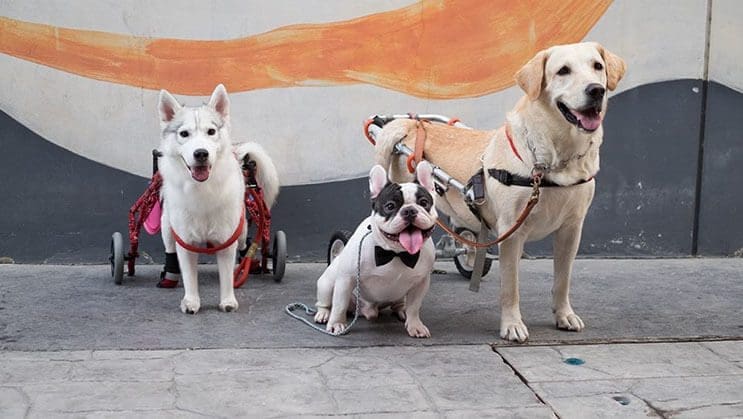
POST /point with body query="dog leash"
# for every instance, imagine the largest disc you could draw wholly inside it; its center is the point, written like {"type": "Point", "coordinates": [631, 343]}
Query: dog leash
{"type": "Point", "coordinates": [289, 309]}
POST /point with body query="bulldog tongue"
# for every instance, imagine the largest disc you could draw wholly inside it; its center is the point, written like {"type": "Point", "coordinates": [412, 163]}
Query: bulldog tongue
{"type": "Point", "coordinates": [589, 121]}
{"type": "Point", "coordinates": [411, 240]}
{"type": "Point", "coordinates": [200, 173]}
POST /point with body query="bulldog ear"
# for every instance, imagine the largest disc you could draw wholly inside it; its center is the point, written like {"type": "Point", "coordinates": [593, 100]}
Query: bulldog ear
{"type": "Point", "coordinates": [377, 180]}
{"type": "Point", "coordinates": [531, 76]}
{"type": "Point", "coordinates": [168, 107]}
{"type": "Point", "coordinates": [220, 101]}
{"type": "Point", "coordinates": [615, 67]}
{"type": "Point", "coordinates": [424, 174]}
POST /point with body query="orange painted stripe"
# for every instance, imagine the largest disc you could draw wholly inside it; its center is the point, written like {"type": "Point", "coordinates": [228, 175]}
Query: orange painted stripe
{"type": "Point", "coordinates": [432, 49]}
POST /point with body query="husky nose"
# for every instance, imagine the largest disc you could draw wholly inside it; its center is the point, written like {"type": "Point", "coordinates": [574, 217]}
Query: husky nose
{"type": "Point", "coordinates": [595, 91]}
{"type": "Point", "coordinates": [409, 214]}
{"type": "Point", "coordinates": [200, 155]}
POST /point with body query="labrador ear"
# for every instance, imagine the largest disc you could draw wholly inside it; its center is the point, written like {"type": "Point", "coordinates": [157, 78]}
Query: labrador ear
{"type": "Point", "coordinates": [615, 67]}
{"type": "Point", "coordinates": [531, 76]}
{"type": "Point", "coordinates": [424, 174]}
{"type": "Point", "coordinates": [377, 180]}
{"type": "Point", "coordinates": [220, 101]}
{"type": "Point", "coordinates": [168, 107]}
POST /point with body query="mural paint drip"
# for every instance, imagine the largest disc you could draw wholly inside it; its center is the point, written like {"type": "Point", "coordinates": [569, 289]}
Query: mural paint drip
{"type": "Point", "coordinates": [431, 49]}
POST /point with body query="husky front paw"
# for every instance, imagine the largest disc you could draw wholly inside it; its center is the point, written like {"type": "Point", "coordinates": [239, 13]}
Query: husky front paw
{"type": "Point", "coordinates": [228, 304]}
{"type": "Point", "coordinates": [514, 331]}
{"type": "Point", "coordinates": [416, 329]}
{"type": "Point", "coordinates": [190, 305]}
{"type": "Point", "coordinates": [569, 321]}
{"type": "Point", "coordinates": [336, 328]}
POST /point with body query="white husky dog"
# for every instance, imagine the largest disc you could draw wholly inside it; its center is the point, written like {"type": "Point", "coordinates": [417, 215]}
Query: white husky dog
{"type": "Point", "coordinates": [203, 191]}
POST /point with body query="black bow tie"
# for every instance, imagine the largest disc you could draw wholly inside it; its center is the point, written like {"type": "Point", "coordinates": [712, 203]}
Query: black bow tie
{"type": "Point", "coordinates": [383, 257]}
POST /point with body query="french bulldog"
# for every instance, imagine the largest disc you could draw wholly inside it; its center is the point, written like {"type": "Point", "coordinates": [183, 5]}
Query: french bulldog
{"type": "Point", "coordinates": [395, 260]}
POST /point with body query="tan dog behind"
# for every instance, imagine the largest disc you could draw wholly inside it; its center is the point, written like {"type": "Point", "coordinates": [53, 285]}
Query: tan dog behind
{"type": "Point", "coordinates": [557, 126]}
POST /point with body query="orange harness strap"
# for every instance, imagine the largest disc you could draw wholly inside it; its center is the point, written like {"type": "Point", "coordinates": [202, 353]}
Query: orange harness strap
{"type": "Point", "coordinates": [210, 250]}
{"type": "Point", "coordinates": [420, 142]}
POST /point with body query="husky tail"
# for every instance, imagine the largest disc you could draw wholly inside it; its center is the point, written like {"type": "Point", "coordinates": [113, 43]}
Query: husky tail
{"type": "Point", "coordinates": [267, 176]}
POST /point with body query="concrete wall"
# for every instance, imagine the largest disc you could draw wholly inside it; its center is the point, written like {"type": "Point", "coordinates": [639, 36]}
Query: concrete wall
{"type": "Point", "coordinates": [80, 83]}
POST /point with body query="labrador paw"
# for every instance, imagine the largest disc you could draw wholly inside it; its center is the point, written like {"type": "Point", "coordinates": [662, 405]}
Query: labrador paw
{"type": "Point", "coordinates": [514, 331]}
{"type": "Point", "coordinates": [417, 329]}
{"type": "Point", "coordinates": [228, 305]}
{"type": "Point", "coordinates": [569, 321]}
{"type": "Point", "coordinates": [190, 305]}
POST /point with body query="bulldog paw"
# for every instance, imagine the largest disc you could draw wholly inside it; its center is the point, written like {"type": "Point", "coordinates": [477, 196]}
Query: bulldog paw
{"type": "Point", "coordinates": [190, 305]}
{"type": "Point", "coordinates": [569, 321]}
{"type": "Point", "coordinates": [417, 329]}
{"type": "Point", "coordinates": [322, 315]}
{"type": "Point", "coordinates": [514, 331]}
{"type": "Point", "coordinates": [336, 328]}
{"type": "Point", "coordinates": [228, 304]}
{"type": "Point", "coordinates": [369, 312]}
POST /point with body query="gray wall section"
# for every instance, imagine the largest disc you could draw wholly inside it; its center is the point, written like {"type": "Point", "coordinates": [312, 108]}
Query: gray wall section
{"type": "Point", "coordinates": [720, 215]}
{"type": "Point", "coordinates": [58, 207]}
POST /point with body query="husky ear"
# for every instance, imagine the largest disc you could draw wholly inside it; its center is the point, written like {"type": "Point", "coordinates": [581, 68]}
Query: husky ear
{"type": "Point", "coordinates": [167, 107]}
{"type": "Point", "coordinates": [531, 76]}
{"type": "Point", "coordinates": [220, 101]}
{"type": "Point", "coordinates": [424, 174]}
{"type": "Point", "coordinates": [377, 180]}
{"type": "Point", "coordinates": [615, 66]}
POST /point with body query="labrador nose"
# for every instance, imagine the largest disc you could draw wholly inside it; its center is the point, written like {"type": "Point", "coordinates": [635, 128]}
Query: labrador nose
{"type": "Point", "coordinates": [201, 155]}
{"type": "Point", "coordinates": [409, 214]}
{"type": "Point", "coordinates": [595, 91]}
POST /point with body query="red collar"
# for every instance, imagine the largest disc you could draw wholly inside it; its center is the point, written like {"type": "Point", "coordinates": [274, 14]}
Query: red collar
{"type": "Point", "coordinates": [209, 249]}
{"type": "Point", "coordinates": [510, 142]}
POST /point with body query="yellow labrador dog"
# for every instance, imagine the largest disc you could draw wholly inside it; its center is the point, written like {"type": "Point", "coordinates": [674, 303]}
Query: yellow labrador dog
{"type": "Point", "coordinates": [554, 130]}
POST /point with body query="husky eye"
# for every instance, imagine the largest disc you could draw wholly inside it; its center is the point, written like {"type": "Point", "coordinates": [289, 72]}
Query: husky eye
{"type": "Point", "coordinates": [211, 131]}
{"type": "Point", "coordinates": [598, 66]}
{"type": "Point", "coordinates": [183, 134]}
{"type": "Point", "coordinates": [563, 71]}
{"type": "Point", "coordinates": [390, 206]}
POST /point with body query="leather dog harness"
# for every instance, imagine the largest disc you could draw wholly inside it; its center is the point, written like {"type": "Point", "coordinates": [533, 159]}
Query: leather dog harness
{"type": "Point", "coordinates": [211, 249]}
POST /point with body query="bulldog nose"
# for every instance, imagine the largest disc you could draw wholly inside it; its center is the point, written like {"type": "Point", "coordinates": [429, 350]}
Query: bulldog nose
{"type": "Point", "coordinates": [595, 91]}
{"type": "Point", "coordinates": [409, 213]}
{"type": "Point", "coordinates": [200, 155]}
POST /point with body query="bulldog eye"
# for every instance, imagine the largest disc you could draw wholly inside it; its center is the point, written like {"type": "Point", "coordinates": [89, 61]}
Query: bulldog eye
{"type": "Point", "coordinates": [563, 71]}
{"type": "Point", "coordinates": [390, 206]}
{"type": "Point", "coordinates": [211, 131]}
{"type": "Point", "coordinates": [598, 66]}
{"type": "Point", "coordinates": [183, 134]}
{"type": "Point", "coordinates": [423, 202]}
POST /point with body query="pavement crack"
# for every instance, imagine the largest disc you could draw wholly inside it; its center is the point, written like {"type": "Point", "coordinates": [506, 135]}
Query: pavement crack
{"type": "Point", "coordinates": [526, 382]}
{"type": "Point", "coordinates": [664, 414]}
{"type": "Point", "coordinates": [429, 400]}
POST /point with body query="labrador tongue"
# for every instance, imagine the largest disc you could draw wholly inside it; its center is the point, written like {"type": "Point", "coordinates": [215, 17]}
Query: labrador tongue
{"type": "Point", "coordinates": [412, 240]}
{"type": "Point", "coordinates": [589, 120]}
{"type": "Point", "coordinates": [200, 173]}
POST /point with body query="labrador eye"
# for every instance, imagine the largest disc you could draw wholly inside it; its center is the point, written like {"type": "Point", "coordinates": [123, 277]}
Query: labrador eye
{"type": "Point", "coordinates": [183, 134]}
{"type": "Point", "coordinates": [389, 206]}
{"type": "Point", "coordinates": [563, 71]}
{"type": "Point", "coordinates": [211, 131]}
{"type": "Point", "coordinates": [598, 66]}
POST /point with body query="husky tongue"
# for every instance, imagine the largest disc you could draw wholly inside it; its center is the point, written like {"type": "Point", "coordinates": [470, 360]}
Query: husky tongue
{"type": "Point", "coordinates": [589, 120]}
{"type": "Point", "coordinates": [411, 239]}
{"type": "Point", "coordinates": [200, 173]}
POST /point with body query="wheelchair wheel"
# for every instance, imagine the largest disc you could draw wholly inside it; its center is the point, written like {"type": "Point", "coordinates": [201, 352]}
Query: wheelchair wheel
{"type": "Point", "coordinates": [337, 243]}
{"type": "Point", "coordinates": [466, 261]}
{"type": "Point", "coordinates": [278, 255]}
{"type": "Point", "coordinates": [117, 257]}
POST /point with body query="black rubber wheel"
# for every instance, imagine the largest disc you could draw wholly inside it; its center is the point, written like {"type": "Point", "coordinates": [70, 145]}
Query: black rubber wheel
{"type": "Point", "coordinates": [117, 257]}
{"type": "Point", "coordinates": [464, 268]}
{"type": "Point", "coordinates": [336, 244]}
{"type": "Point", "coordinates": [278, 256]}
